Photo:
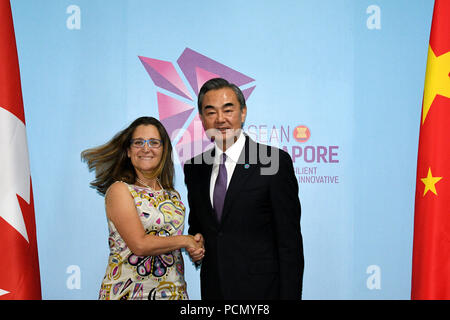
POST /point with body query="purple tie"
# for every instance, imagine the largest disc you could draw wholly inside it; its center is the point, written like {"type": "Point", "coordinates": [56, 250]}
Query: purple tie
{"type": "Point", "coordinates": [220, 188]}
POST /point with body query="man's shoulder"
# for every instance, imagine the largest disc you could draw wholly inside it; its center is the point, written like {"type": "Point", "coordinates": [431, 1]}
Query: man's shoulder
{"type": "Point", "coordinates": [205, 157]}
{"type": "Point", "coordinates": [270, 151]}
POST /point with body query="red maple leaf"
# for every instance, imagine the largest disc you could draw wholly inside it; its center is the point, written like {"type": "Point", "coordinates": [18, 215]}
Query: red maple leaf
{"type": "Point", "coordinates": [19, 265]}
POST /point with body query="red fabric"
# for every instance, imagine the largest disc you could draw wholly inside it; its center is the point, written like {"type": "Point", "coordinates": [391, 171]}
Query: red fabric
{"type": "Point", "coordinates": [431, 248]}
{"type": "Point", "coordinates": [19, 265]}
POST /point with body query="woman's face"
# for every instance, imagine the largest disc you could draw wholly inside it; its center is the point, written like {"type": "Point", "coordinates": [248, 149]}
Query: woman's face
{"type": "Point", "coordinates": [145, 159]}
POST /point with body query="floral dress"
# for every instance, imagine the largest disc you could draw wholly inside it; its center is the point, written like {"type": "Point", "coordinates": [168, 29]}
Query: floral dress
{"type": "Point", "coordinates": [130, 277]}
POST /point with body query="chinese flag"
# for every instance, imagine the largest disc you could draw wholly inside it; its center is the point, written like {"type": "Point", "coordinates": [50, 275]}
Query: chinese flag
{"type": "Point", "coordinates": [431, 251]}
{"type": "Point", "coordinates": [19, 265]}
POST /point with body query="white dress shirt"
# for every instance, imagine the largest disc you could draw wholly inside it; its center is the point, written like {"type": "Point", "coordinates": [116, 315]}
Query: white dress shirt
{"type": "Point", "coordinates": [233, 153]}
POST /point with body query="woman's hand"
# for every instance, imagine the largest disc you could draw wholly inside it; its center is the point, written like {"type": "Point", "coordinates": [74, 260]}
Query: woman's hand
{"type": "Point", "coordinates": [196, 247]}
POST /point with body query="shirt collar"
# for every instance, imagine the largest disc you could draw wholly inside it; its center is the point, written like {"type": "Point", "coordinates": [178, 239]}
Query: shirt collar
{"type": "Point", "coordinates": [233, 152]}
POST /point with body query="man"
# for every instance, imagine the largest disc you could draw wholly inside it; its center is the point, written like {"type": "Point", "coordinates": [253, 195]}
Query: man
{"type": "Point", "coordinates": [243, 199]}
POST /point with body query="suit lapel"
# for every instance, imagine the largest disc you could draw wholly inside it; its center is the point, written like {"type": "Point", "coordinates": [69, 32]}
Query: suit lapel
{"type": "Point", "coordinates": [243, 170]}
{"type": "Point", "coordinates": [206, 181]}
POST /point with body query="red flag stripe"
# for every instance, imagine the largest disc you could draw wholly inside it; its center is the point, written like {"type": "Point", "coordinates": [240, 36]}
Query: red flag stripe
{"type": "Point", "coordinates": [19, 265]}
{"type": "Point", "coordinates": [10, 88]}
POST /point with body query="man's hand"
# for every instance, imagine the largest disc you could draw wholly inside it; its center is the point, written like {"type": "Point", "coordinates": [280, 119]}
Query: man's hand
{"type": "Point", "coordinates": [197, 253]}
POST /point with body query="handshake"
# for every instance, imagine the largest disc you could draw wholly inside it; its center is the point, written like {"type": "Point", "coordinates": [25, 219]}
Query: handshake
{"type": "Point", "coordinates": [195, 247]}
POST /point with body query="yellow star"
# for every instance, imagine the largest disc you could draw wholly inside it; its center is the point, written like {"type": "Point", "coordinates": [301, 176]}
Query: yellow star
{"type": "Point", "coordinates": [430, 182]}
{"type": "Point", "coordinates": [437, 79]}
{"type": "Point", "coordinates": [301, 133]}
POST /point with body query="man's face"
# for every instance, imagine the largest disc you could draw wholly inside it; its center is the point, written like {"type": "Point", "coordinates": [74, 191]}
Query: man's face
{"type": "Point", "coordinates": [222, 116]}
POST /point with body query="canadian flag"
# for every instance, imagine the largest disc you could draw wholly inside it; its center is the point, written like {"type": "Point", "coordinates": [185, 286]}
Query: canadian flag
{"type": "Point", "coordinates": [19, 264]}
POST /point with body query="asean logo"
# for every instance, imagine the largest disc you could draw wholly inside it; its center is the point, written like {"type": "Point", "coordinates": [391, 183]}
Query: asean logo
{"type": "Point", "coordinates": [176, 105]}
{"type": "Point", "coordinates": [301, 134]}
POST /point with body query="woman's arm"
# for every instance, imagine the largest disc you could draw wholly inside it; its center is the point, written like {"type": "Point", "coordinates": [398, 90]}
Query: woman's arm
{"type": "Point", "coordinates": [121, 210]}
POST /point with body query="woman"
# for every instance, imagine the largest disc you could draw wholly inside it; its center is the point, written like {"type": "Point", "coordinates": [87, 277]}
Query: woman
{"type": "Point", "coordinates": [145, 214]}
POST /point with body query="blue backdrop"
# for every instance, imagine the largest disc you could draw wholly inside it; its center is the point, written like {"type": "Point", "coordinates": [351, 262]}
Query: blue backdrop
{"type": "Point", "coordinates": [338, 84]}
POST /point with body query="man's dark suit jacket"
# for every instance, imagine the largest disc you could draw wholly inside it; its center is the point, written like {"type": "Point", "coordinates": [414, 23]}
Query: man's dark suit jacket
{"type": "Point", "coordinates": [256, 251]}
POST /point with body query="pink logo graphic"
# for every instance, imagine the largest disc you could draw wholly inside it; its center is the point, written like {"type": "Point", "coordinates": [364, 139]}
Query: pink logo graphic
{"type": "Point", "coordinates": [174, 113]}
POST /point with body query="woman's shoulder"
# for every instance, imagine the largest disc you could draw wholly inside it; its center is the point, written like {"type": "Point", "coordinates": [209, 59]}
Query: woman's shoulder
{"type": "Point", "coordinates": [117, 188]}
{"type": "Point", "coordinates": [173, 193]}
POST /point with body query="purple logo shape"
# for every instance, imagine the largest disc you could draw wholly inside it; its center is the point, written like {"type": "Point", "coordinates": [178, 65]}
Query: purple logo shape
{"type": "Point", "coordinates": [174, 113]}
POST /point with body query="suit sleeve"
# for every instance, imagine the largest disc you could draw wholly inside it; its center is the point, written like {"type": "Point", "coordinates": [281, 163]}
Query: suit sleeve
{"type": "Point", "coordinates": [287, 211]}
{"type": "Point", "coordinates": [192, 219]}
{"type": "Point", "coordinates": [194, 226]}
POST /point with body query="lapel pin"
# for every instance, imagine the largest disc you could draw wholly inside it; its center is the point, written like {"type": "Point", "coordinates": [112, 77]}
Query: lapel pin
{"type": "Point", "coordinates": [246, 166]}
